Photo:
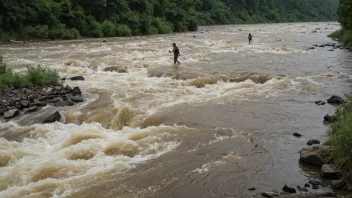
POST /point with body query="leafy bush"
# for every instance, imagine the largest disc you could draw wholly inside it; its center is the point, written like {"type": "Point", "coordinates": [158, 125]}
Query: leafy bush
{"type": "Point", "coordinates": [41, 31]}
{"type": "Point", "coordinates": [123, 30]}
{"type": "Point", "coordinates": [34, 75]}
{"type": "Point", "coordinates": [42, 76]}
{"type": "Point", "coordinates": [341, 138]}
{"type": "Point", "coordinates": [108, 28]}
{"type": "Point", "coordinates": [347, 36]}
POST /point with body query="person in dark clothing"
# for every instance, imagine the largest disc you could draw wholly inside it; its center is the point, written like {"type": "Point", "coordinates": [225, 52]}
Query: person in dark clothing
{"type": "Point", "coordinates": [176, 52]}
{"type": "Point", "coordinates": [249, 38]}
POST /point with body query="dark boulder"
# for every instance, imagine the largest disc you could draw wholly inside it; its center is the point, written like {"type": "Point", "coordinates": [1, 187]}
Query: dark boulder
{"type": "Point", "coordinates": [329, 119]}
{"type": "Point", "coordinates": [76, 98]}
{"type": "Point", "coordinates": [270, 194]}
{"type": "Point", "coordinates": [320, 102]}
{"type": "Point", "coordinates": [36, 102]}
{"type": "Point", "coordinates": [336, 100]}
{"type": "Point", "coordinates": [313, 141]}
{"type": "Point", "coordinates": [11, 113]}
{"type": "Point", "coordinates": [297, 134]}
{"type": "Point", "coordinates": [304, 189]}
{"type": "Point", "coordinates": [315, 182]}
{"type": "Point", "coordinates": [76, 91]}
{"type": "Point", "coordinates": [64, 103]}
{"type": "Point", "coordinates": [25, 103]}
{"type": "Point", "coordinates": [77, 78]}
{"type": "Point", "coordinates": [338, 184]}
{"type": "Point", "coordinates": [55, 117]}
{"type": "Point", "coordinates": [288, 189]}
{"type": "Point", "coordinates": [307, 185]}
{"type": "Point", "coordinates": [55, 100]}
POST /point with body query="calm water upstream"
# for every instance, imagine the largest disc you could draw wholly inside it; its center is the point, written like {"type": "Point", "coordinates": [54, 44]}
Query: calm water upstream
{"type": "Point", "coordinates": [214, 126]}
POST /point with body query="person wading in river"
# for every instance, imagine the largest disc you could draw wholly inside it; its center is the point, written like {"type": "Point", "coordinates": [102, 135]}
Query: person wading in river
{"type": "Point", "coordinates": [250, 38]}
{"type": "Point", "coordinates": [176, 52]}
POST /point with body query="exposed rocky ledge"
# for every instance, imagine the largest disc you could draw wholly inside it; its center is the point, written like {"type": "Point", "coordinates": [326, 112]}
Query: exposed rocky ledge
{"type": "Point", "coordinates": [14, 102]}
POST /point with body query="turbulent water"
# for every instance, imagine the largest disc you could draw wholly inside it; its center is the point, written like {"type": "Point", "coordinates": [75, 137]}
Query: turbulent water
{"type": "Point", "coordinates": [216, 125]}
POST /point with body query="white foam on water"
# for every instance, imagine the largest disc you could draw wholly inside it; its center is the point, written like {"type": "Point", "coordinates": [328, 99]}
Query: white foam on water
{"type": "Point", "coordinates": [59, 154]}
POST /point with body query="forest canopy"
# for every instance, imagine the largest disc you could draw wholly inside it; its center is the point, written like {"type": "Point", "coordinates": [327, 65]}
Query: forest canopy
{"type": "Point", "coordinates": [70, 19]}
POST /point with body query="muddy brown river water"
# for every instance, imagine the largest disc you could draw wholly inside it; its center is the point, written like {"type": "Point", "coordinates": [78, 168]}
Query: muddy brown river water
{"type": "Point", "coordinates": [216, 125]}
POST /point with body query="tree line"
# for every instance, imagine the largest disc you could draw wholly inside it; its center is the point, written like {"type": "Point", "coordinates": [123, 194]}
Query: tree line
{"type": "Point", "coordinates": [345, 18]}
{"type": "Point", "coordinates": [71, 19]}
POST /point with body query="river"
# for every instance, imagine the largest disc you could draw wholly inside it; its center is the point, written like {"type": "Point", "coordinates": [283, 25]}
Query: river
{"type": "Point", "coordinates": [216, 125]}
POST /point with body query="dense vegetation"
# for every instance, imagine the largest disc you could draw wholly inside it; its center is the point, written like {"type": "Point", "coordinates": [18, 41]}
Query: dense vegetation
{"type": "Point", "coordinates": [33, 76]}
{"type": "Point", "coordinates": [345, 18]}
{"type": "Point", "coordinates": [69, 19]}
{"type": "Point", "coordinates": [341, 138]}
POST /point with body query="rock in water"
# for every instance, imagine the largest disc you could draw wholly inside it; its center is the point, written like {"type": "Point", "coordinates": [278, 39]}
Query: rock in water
{"type": "Point", "coordinates": [11, 113]}
{"type": "Point", "coordinates": [288, 189]}
{"type": "Point", "coordinates": [336, 100]}
{"type": "Point", "coordinates": [315, 182]}
{"type": "Point", "coordinates": [76, 98]}
{"type": "Point", "coordinates": [320, 102]}
{"type": "Point", "coordinates": [307, 185]}
{"type": "Point", "coordinates": [329, 119]}
{"type": "Point", "coordinates": [76, 91]}
{"type": "Point", "coordinates": [313, 141]}
{"type": "Point", "coordinates": [330, 172]}
{"type": "Point", "coordinates": [338, 184]}
{"type": "Point", "coordinates": [55, 117]}
{"type": "Point", "coordinates": [77, 78]}
{"type": "Point", "coordinates": [297, 135]}
{"type": "Point", "coordinates": [270, 194]}
{"type": "Point", "coordinates": [315, 155]}
{"type": "Point", "coordinates": [302, 188]}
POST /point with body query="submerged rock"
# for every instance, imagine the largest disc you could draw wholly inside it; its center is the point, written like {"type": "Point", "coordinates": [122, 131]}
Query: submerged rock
{"type": "Point", "coordinates": [313, 141]}
{"type": "Point", "coordinates": [315, 182]}
{"type": "Point", "coordinates": [288, 189]}
{"type": "Point", "coordinates": [11, 113]}
{"type": "Point", "coordinates": [270, 194]}
{"type": "Point", "coordinates": [336, 100]}
{"type": "Point", "coordinates": [304, 189]}
{"type": "Point", "coordinates": [329, 119]}
{"type": "Point", "coordinates": [320, 102]}
{"type": "Point", "coordinates": [55, 117]}
{"type": "Point", "coordinates": [116, 69]}
{"type": "Point", "coordinates": [31, 109]}
{"type": "Point", "coordinates": [77, 98]}
{"type": "Point", "coordinates": [77, 78]}
{"type": "Point", "coordinates": [338, 184]}
{"type": "Point", "coordinates": [315, 155]}
{"type": "Point", "coordinates": [297, 134]}
{"type": "Point", "coordinates": [307, 185]}
{"type": "Point", "coordinates": [330, 172]}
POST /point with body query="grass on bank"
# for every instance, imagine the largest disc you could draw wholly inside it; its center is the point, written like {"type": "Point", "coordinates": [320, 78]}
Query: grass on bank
{"type": "Point", "coordinates": [33, 76]}
{"type": "Point", "coordinates": [343, 35]}
{"type": "Point", "coordinates": [341, 138]}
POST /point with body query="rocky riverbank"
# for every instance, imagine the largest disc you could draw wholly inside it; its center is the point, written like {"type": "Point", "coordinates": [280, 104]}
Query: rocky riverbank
{"type": "Point", "coordinates": [18, 101]}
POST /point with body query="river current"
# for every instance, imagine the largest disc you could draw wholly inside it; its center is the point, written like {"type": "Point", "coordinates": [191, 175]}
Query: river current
{"type": "Point", "coordinates": [216, 125]}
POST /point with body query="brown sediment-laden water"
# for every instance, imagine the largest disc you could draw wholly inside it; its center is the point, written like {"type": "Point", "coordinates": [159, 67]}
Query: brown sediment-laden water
{"type": "Point", "coordinates": [216, 125]}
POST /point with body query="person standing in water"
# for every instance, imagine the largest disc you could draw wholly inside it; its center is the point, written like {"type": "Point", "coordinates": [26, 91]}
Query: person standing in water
{"type": "Point", "coordinates": [176, 52]}
{"type": "Point", "coordinates": [250, 38]}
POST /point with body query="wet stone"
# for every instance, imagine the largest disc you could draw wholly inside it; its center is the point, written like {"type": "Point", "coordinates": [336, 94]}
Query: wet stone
{"type": "Point", "coordinates": [313, 141]}
{"type": "Point", "coordinates": [330, 172]}
{"type": "Point", "coordinates": [11, 113]}
{"type": "Point", "coordinates": [76, 98]}
{"type": "Point", "coordinates": [55, 100]}
{"type": "Point", "coordinates": [270, 194]}
{"type": "Point", "coordinates": [335, 100]}
{"type": "Point", "coordinates": [329, 119]}
{"type": "Point", "coordinates": [25, 103]}
{"type": "Point", "coordinates": [314, 182]}
{"type": "Point", "coordinates": [76, 91]}
{"type": "Point", "coordinates": [320, 102]}
{"type": "Point", "coordinates": [55, 117]}
{"type": "Point", "coordinates": [304, 189]}
{"type": "Point", "coordinates": [77, 78]}
{"type": "Point", "coordinates": [288, 189]}
{"type": "Point", "coordinates": [338, 184]}
{"type": "Point", "coordinates": [297, 134]}
{"type": "Point", "coordinates": [31, 109]}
